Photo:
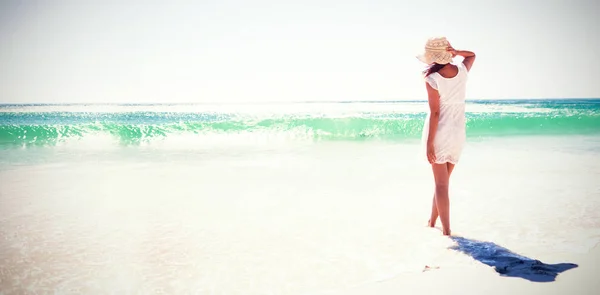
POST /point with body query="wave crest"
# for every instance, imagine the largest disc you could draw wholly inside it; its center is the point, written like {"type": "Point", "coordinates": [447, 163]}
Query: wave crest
{"type": "Point", "coordinates": [149, 127]}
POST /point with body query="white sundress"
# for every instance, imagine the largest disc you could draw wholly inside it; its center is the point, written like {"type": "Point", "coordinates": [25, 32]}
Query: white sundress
{"type": "Point", "coordinates": [450, 136]}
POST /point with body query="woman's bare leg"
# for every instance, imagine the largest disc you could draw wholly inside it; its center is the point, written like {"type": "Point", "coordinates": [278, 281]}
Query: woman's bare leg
{"type": "Point", "coordinates": [441, 176]}
{"type": "Point", "coordinates": [434, 210]}
{"type": "Point", "coordinates": [450, 167]}
{"type": "Point", "coordinates": [434, 213]}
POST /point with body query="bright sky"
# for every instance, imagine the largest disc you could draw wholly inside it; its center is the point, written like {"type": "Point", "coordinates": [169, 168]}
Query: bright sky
{"type": "Point", "coordinates": [234, 50]}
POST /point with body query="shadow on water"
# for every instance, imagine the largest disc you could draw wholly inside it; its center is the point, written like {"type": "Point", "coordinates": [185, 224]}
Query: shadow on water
{"type": "Point", "coordinates": [509, 264]}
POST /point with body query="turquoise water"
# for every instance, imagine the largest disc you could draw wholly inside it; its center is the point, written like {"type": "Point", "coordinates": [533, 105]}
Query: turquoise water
{"type": "Point", "coordinates": [294, 198]}
{"type": "Point", "coordinates": [25, 125]}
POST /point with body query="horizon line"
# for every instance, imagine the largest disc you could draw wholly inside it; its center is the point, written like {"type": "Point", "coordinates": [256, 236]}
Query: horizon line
{"type": "Point", "coordinates": [285, 102]}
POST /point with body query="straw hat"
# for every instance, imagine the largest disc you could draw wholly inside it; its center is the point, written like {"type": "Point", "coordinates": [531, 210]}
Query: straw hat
{"type": "Point", "coordinates": [435, 51]}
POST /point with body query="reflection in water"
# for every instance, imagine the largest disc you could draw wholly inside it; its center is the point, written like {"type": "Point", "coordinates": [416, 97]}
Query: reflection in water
{"type": "Point", "coordinates": [509, 264]}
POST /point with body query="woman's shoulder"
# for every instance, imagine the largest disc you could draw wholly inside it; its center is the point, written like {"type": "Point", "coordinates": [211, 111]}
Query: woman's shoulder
{"type": "Point", "coordinates": [432, 81]}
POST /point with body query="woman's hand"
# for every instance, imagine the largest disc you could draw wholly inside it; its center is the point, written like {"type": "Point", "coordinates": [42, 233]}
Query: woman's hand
{"type": "Point", "coordinates": [451, 50]}
{"type": "Point", "coordinates": [469, 57]}
{"type": "Point", "coordinates": [430, 153]}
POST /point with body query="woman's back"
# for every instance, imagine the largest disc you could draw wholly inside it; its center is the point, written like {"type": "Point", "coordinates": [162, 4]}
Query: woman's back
{"type": "Point", "coordinates": [452, 96]}
{"type": "Point", "coordinates": [452, 89]}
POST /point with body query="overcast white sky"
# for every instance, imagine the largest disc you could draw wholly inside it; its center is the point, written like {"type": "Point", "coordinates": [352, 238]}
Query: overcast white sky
{"type": "Point", "coordinates": [223, 51]}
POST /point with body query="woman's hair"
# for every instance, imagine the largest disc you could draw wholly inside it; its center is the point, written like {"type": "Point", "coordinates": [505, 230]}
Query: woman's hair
{"type": "Point", "coordinates": [433, 68]}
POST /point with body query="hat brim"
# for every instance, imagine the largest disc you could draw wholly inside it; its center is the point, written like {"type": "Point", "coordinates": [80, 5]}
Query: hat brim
{"type": "Point", "coordinates": [444, 58]}
{"type": "Point", "coordinates": [423, 59]}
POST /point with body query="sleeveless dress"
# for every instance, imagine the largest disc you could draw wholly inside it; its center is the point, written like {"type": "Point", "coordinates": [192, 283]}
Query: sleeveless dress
{"type": "Point", "coordinates": [450, 136]}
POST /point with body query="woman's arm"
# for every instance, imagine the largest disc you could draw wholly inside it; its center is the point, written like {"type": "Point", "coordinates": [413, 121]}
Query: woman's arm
{"type": "Point", "coordinates": [468, 55]}
{"type": "Point", "coordinates": [434, 106]}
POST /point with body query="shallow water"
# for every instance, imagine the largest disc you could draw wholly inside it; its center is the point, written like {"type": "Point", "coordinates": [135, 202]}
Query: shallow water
{"type": "Point", "coordinates": [285, 218]}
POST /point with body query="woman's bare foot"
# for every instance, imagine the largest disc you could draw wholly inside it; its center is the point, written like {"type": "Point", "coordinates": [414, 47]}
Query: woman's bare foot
{"type": "Point", "coordinates": [447, 232]}
{"type": "Point", "coordinates": [430, 224]}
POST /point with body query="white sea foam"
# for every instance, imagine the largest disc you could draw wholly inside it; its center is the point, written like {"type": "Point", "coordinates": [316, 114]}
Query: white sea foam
{"type": "Point", "coordinates": [269, 109]}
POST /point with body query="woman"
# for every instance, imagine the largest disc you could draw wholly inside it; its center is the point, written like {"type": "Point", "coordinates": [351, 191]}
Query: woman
{"type": "Point", "coordinates": [444, 129]}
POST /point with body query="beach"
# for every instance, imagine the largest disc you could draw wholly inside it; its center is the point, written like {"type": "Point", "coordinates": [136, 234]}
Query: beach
{"type": "Point", "coordinates": [303, 199]}
{"type": "Point", "coordinates": [479, 279]}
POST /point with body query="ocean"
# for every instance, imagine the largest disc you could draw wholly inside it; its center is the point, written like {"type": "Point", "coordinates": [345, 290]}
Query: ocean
{"type": "Point", "coordinates": [280, 198]}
